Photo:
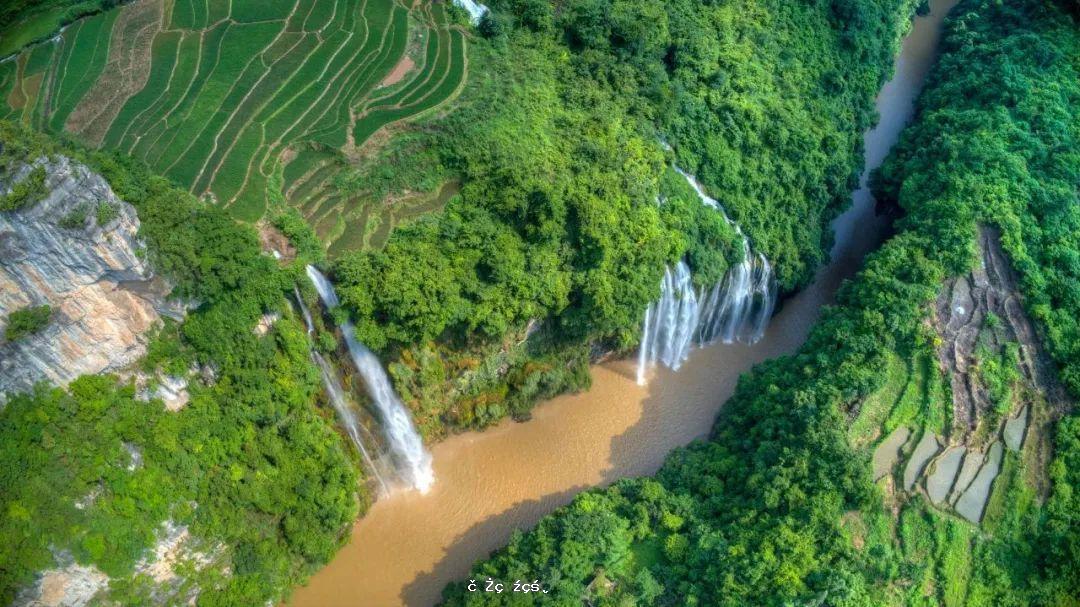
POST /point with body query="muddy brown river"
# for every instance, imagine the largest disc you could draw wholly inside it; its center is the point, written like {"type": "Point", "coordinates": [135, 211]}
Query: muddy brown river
{"type": "Point", "coordinates": [409, 546]}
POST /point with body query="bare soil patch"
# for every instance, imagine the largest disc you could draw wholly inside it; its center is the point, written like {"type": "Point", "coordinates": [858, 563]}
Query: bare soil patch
{"type": "Point", "coordinates": [398, 73]}
{"type": "Point", "coordinates": [273, 240]}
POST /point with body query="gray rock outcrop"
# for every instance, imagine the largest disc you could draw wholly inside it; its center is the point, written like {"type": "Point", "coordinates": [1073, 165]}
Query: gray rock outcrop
{"type": "Point", "coordinates": [104, 295]}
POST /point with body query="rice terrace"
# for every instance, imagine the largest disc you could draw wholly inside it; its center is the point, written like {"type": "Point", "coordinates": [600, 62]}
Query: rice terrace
{"type": "Point", "coordinates": [252, 103]}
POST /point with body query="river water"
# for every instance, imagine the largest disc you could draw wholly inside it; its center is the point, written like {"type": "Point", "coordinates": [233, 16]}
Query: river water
{"type": "Point", "coordinates": [408, 546]}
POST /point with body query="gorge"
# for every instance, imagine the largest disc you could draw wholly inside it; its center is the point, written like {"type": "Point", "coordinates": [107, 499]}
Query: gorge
{"type": "Point", "coordinates": [712, 303]}
{"type": "Point", "coordinates": [409, 546]}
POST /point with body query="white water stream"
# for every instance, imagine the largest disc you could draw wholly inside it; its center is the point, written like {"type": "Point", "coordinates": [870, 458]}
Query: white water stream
{"type": "Point", "coordinates": [411, 459]}
{"type": "Point", "coordinates": [304, 310]}
{"type": "Point", "coordinates": [347, 415]}
{"type": "Point", "coordinates": [340, 401]}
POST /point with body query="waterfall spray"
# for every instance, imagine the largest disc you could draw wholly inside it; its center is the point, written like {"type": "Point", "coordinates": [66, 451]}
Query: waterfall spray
{"type": "Point", "coordinates": [412, 460]}
{"type": "Point", "coordinates": [737, 308]}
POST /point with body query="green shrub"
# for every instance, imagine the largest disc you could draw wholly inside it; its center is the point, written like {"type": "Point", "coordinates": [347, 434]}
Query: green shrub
{"type": "Point", "coordinates": [25, 193]}
{"type": "Point", "coordinates": [293, 225]}
{"type": "Point", "coordinates": [106, 212]}
{"type": "Point", "coordinates": [76, 219]}
{"type": "Point", "coordinates": [27, 321]}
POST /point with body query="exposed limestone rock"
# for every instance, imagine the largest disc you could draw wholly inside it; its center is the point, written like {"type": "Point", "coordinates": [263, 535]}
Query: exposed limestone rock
{"type": "Point", "coordinates": [961, 315]}
{"type": "Point", "coordinates": [88, 500]}
{"type": "Point", "coordinates": [266, 323]}
{"type": "Point", "coordinates": [103, 294]}
{"type": "Point", "coordinates": [173, 391]}
{"type": "Point", "coordinates": [74, 585]}
{"type": "Point", "coordinates": [136, 457]}
{"type": "Point", "coordinates": [69, 585]}
{"type": "Point", "coordinates": [174, 547]}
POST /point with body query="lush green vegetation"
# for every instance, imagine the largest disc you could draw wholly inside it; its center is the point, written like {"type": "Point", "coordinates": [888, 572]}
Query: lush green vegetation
{"type": "Point", "coordinates": [777, 507]}
{"type": "Point", "coordinates": [555, 140]}
{"type": "Point", "coordinates": [26, 191]}
{"type": "Point", "coordinates": [256, 472]}
{"type": "Point", "coordinates": [27, 321]}
{"type": "Point", "coordinates": [764, 101]}
{"type": "Point", "coordinates": [28, 21]}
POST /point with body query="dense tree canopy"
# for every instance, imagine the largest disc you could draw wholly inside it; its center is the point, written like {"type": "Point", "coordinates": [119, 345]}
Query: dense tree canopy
{"type": "Point", "coordinates": [569, 209]}
{"type": "Point", "coordinates": [754, 515]}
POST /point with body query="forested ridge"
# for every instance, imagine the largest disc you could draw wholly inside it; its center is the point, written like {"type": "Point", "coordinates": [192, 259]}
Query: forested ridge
{"type": "Point", "coordinates": [555, 245]}
{"type": "Point", "coordinates": [777, 507]}
{"type": "Point", "coordinates": [250, 466]}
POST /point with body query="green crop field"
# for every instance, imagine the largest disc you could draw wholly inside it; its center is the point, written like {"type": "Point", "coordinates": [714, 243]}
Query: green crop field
{"type": "Point", "coordinates": [234, 98]}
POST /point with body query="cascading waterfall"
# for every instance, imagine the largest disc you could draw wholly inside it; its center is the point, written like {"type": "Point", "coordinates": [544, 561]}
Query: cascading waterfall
{"type": "Point", "coordinates": [475, 9]}
{"type": "Point", "coordinates": [340, 401]}
{"type": "Point", "coordinates": [737, 308]}
{"type": "Point", "coordinates": [347, 415]}
{"type": "Point", "coordinates": [670, 323]}
{"type": "Point", "coordinates": [407, 450]}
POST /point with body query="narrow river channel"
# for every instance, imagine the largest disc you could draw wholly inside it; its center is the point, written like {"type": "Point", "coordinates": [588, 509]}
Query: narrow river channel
{"type": "Point", "coordinates": [409, 546]}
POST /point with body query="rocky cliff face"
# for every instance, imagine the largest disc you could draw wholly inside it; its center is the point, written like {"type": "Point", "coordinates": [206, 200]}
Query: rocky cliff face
{"type": "Point", "coordinates": [103, 294]}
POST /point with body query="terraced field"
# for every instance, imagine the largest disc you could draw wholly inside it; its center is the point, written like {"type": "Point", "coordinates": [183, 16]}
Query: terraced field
{"type": "Point", "coordinates": [253, 103]}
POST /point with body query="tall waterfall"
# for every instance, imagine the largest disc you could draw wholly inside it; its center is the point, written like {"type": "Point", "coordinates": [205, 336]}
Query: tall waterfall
{"type": "Point", "coordinates": [737, 308]}
{"type": "Point", "coordinates": [339, 400]}
{"type": "Point", "coordinates": [412, 460]}
{"type": "Point", "coordinates": [670, 323]}
{"type": "Point", "coordinates": [347, 415]}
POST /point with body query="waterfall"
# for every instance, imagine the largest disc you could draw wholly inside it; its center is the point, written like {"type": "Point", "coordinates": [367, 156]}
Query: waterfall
{"type": "Point", "coordinates": [670, 323]}
{"type": "Point", "coordinates": [737, 308]}
{"type": "Point", "coordinates": [413, 461]}
{"type": "Point", "coordinates": [341, 403]}
{"type": "Point", "coordinates": [475, 9]}
{"type": "Point", "coordinates": [347, 415]}
{"type": "Point", "coordinates": [304, 310]}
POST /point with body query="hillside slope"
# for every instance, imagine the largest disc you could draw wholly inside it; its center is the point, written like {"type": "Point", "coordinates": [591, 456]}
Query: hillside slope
{"type": "Point", "coordinates": [113, 492]}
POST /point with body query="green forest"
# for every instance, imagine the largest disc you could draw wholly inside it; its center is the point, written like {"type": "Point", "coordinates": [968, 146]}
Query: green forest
{"type": "Point", "coordinates": [254, 470]}
{"type": "Point", "coordinates": [557, 143]}
{"type": "Point", "coordinates": [777, 507]}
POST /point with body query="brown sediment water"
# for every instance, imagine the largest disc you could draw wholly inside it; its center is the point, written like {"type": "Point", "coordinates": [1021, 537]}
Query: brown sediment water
{"type": "Point", "coordinates": [408, 546]}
